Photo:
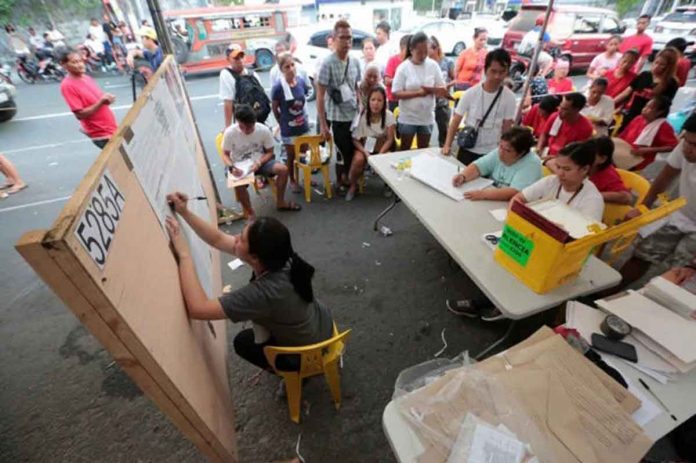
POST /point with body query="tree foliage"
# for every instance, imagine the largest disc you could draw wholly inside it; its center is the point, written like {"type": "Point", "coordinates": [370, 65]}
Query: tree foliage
{"type": "Point", "coordinates": [624, 6]}
{"type": "Point", "coordinates": [17, 11]}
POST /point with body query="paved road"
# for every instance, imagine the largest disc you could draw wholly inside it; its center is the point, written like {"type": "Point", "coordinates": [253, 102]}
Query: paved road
{"type": "Point", "coordinates": [63, 399]}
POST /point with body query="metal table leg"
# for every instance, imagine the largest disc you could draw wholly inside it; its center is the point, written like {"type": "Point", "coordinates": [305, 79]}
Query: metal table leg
{"type": "Point", "coordinates": [396, 201]}
{"type": "Point", "coordinates": [497, 343]}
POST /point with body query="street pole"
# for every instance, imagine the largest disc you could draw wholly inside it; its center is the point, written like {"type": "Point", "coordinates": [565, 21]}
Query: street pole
{"type": "Point", "coordinates": [165, 42]}
{"type": "Point", "coordinates": [533, 64]}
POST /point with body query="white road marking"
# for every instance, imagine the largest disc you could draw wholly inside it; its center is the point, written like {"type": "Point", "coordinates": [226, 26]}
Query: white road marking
{"type": "Point", "coordinates": [37, 203]}
{"type": "Point", "coordinates": [50, 145]}
{"type": "Point", "coordinates": [115, 108]}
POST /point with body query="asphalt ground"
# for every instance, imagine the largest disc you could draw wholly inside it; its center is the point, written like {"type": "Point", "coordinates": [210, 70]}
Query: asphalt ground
{"type": "Point", "coordinates": [62, 398]}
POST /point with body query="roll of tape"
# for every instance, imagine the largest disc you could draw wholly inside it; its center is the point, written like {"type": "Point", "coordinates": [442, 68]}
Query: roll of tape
{"type": "Point", "coordinates": [615, 328]}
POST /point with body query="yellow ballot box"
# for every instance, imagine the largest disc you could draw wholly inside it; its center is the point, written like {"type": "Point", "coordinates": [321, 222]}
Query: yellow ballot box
{"type": "Point", "coordinates": [544, 255]}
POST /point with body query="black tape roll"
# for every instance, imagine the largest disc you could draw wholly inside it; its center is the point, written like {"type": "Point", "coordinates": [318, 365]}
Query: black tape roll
{"type": "Point", "coordinates": [615, 328]}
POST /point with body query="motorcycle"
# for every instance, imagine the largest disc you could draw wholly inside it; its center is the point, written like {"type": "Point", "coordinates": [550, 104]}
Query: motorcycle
{"type": "Point", "coordinates": [520, 66]}
{"type": "Point", "coordinates": [5, 74]}
{"type": "Point", "coordinates": [30, 71]}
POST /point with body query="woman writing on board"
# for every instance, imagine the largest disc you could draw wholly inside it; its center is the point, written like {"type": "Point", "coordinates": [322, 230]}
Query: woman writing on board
{"type": "Point", "coordinates": [279, 296]}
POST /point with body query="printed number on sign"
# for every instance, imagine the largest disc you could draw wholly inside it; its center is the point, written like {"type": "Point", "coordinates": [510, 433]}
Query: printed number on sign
{"type": "Point", "coordinates": [98, 224]}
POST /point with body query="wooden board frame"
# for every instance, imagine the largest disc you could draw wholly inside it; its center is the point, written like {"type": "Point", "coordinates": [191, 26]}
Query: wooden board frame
{"type": "Point", "coordinates": [133, 304]}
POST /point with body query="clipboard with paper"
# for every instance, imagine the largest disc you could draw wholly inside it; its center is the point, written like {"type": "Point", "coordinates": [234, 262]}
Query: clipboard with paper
{"type": "Point", "coordinates": [246, 178]}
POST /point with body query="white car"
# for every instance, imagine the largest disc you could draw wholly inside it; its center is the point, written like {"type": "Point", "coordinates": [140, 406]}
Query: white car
{"type": "Point", "coordinates": [456, 36]}
{"type": "Point", "coordinates": [680, 23]}
{"type": "Point", "coordinates": [312, 46]}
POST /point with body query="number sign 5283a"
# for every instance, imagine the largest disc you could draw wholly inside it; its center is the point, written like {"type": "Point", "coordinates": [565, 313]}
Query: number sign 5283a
{"type": "Point", "coordinates": [97, 227]}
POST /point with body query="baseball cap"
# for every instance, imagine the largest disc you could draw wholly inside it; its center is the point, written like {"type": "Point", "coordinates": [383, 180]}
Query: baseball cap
{"type": "Point", "coordinates": [148, 32]}
{"type": "Point", "coordinates": [235, 50]}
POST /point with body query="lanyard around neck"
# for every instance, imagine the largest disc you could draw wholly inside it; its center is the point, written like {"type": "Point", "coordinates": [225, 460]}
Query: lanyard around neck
{"type": "Point", "coordinates": [558, 192]}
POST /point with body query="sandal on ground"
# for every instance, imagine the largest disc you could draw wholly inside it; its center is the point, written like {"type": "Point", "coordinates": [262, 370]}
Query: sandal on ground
{"type": "Point", "coordinates": [291, 207]}
{"type": "Point", "coordinates": [464, 307]}
{"type": "Point", "coordinates": [16, 189]}
{"type": "Point", "coordinates": [6, 186]}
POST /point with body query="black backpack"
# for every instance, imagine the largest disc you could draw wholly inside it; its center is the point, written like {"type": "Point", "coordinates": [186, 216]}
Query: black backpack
{"type": "Point", "coordinates": [248, 90]}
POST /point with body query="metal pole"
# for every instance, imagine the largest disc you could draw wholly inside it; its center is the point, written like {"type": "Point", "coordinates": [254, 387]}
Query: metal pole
{"type": "Point", "coordinates": [533, 64]}
{"type": "Point", "coordinates": [165, 42]}
{"type": "Point", "coordinates": [163, 37]}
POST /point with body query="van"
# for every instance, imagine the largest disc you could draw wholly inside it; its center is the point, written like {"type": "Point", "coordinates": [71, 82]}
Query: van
{"type": "Point", "coordinates": [578, 31]}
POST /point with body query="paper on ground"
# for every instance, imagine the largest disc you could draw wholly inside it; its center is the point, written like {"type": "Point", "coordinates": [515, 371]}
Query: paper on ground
{"type": "Point", "coordinates": [499, 214]}
{"type": "Point", "coordinates": [235, 264]}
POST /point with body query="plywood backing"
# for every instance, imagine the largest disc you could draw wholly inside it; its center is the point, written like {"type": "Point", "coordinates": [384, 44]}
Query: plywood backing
{"type": "Point", "coordinates": [134, 307]}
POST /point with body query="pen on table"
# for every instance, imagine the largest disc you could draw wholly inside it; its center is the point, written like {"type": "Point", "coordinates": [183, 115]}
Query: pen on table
{"type": "Point", "coordinates": [647, 388]}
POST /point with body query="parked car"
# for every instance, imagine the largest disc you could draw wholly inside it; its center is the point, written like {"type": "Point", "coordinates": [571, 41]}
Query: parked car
{"type": "Point", "coordinates": [8, 107]}
{"type": "Point", "coordinates": [680, 23]}
{"type": "Point", "coordinates": [313, 47]}
{"type": "Point", "coordinates": [579, 31]}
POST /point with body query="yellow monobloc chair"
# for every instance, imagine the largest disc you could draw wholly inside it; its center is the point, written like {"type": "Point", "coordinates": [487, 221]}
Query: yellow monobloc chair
{"type": "Point", "coordinates": [218, 146]}
{"type": "Point", "coordinates": [323, 357]}
{"type": "Point", "coordinates": [314, 161]}
{"type": "Point", "coordinates": [397, 140]}
{"type": "Point", "coordinates": [615, 213]}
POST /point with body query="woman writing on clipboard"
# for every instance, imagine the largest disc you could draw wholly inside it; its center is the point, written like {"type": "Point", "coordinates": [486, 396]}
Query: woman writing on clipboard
{"type": "Point", "coordinates": [279, 297]}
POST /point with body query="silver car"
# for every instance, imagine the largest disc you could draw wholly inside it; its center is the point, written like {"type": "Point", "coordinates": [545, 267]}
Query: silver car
{"type": "Point", "coordinates": [680, 23]}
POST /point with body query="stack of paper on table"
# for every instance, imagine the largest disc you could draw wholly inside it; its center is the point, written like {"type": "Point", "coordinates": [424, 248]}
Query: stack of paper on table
{"type": "Point", "coordinates": [540, 392]}
{"type": "Point", "coordinates": [586, 320]}
{"type": "Point", "coordinates": [438, 173]}
{"type": "Point", "coordinates": [246, 178]}
{"type": "Point", "coordinates": [664, 332]}
{"type": "Point", "coordinates": [671, 296]}
{"type": "Point", "coordinates": [570, 219]}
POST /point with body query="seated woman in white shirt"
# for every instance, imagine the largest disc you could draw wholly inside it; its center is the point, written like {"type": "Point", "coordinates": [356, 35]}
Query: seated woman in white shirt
{"type": "Point", "coordinates": [570, 182]}
{"type": "Point", "coordinates": [571, 185]}
{"type": "Point", "coordinates": [600, 107]}
{"type": "Point", "coordinates": [511, 166]}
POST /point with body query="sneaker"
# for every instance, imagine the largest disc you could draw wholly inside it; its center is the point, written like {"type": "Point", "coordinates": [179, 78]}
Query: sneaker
{"type": "Point", "coordinates": [464, 307]}
{"type": "Point", "coordinates": [491, 314]}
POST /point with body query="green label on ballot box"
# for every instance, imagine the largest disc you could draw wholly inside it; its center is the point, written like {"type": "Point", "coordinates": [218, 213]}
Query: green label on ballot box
{"type": "Point", "coordinates": [515, 245]}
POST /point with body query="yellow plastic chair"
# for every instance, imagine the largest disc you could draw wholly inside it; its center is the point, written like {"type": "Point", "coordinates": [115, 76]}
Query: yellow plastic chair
{"type": "Point", "coordinates": [457, 96]}
{"type": "Point", "coordinates": [545, 171]}
{"type": "Point", "coordinates": [323, 357]}
{"type": "Point", "coordinates": [314, 162]}
{"type": "Point", "coordinates": [615, 213]}
{"type": "Point", "coordinates": [397, 139]}
{"type": "Point", "coordinates": [618, 120]}
{"type": "Point", "coordinates": [271, 180]}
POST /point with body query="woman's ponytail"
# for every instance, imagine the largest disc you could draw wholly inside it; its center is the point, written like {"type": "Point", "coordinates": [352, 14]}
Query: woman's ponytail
{"type": "Point", "coordinates": [301, 274]}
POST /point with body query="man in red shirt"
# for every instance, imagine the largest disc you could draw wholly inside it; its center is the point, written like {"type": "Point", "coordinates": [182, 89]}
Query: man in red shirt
{"type": "Point", "coordinates": [87, 101]}
{"type": "Point", "coordinates": [639, 41]}
{"type": "Point", "coordinates": [539, 113]}
{"type": "Point", "coordinates": [566, 126]}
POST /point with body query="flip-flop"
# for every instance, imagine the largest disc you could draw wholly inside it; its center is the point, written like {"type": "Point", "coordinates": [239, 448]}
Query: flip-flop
{"type": "Point", "coordinates": [292, 207]}
{"type": "Point", "coordinates": [16, 189]}
{"type": "Point", "coordinates": [6, 186]}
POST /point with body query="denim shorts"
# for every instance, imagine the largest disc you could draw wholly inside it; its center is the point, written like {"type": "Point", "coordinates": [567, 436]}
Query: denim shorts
{"type": "Point", "coordinates": [408, 129]}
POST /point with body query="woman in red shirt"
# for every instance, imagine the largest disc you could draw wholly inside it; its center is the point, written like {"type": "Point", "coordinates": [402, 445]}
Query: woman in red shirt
{"type": "Point", "coordinates": [537, 116]}
{"type": "Point", "coordinates": [560, 83]}
{"type": "Point", "coordinates": [650, 133]}
{"type": "Point", "coordinates": [605, 176]}
{"type": "Point", "coordinates": [468, 69]}
{"type": "Point", "coordinates": [621, 76]}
